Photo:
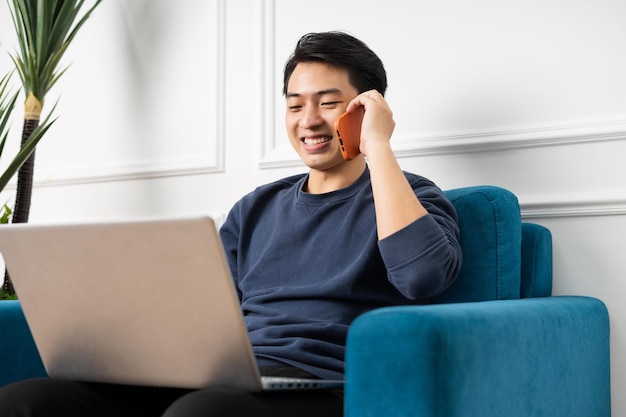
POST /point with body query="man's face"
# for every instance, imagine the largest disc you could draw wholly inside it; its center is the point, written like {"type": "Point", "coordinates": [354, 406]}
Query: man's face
{"type": "Point", "coordinates": [317, 94]}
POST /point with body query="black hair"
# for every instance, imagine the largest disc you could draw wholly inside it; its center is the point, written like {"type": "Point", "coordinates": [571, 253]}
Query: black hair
{"type": "Point", "coordinates": [365, 69]}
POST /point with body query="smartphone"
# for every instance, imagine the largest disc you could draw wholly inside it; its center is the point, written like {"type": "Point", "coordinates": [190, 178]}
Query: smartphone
{"type": "Point", "coordinates": [348, 128]}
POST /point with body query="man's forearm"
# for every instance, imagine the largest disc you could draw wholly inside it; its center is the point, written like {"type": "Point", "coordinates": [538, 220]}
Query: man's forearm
{"type": "Point", "coordinates": [395, 202]}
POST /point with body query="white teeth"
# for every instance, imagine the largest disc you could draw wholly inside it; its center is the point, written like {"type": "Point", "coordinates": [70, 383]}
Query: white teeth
{"type": "Point", "coordinates": [313, 142]}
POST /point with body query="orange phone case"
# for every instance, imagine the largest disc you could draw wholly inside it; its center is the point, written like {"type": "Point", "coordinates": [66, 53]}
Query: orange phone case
{"type": "Point", "coordinates": [348, 128]}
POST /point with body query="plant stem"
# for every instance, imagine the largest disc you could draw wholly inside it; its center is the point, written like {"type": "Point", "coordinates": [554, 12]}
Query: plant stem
{"type": "Point", "coordinates": [25, 178]}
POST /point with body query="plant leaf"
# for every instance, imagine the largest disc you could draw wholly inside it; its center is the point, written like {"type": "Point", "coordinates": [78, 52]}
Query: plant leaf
{"type": "Point", "coordinates": [26, 150]}
{"type": "Point", "coordinates": [7, 104]}
{"type": "Point", "coordinates": [45, 28]}
{"type": "Point", "coordinates": [6, 214]}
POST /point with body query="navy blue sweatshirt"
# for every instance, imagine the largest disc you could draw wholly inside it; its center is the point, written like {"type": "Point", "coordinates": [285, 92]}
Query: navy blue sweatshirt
{"type": "Point", "coordinates": [306, 265]}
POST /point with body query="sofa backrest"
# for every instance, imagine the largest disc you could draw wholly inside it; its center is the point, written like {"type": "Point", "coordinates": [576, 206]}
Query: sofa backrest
{"type": "Point", "coordinates": [536, 261]}
{"type": "Point", "coordinates": [503, 258]}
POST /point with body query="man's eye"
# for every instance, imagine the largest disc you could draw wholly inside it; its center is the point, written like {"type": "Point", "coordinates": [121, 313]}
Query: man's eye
{"type": "Point", "coordinates": [294, 108]}
{"type": "Point", "coordinates": [330, 103]}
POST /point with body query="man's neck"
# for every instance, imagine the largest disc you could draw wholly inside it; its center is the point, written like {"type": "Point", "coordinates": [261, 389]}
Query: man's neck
{"type": "Point", "coordinates": [321, 182]}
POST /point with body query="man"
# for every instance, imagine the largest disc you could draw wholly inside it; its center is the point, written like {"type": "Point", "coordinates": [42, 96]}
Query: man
{"type": "Point", "coordinates": [309, 253]}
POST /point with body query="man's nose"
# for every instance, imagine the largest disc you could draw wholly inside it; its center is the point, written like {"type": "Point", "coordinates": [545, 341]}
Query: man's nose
{"type": "Point", "coordinates": [311, 117]}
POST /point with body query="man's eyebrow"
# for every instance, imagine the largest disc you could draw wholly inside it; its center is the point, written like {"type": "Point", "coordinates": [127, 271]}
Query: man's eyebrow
{"type": "Point", "coordinates": [318, 93]}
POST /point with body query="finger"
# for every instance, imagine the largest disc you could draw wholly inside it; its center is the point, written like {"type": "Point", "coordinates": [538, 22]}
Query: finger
{"type": "Point", "coordinates": [356, 102]}
{"type": "Point", "coordinates": [366, 98]}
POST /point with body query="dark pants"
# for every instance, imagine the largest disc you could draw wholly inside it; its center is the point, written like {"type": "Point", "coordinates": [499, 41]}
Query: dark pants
{"type": "Point", "coordinates": [54, 397]}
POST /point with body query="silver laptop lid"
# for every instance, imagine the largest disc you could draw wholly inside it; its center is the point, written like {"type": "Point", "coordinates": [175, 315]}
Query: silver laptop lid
{"type": "Point", "coordinates": [145, 302]}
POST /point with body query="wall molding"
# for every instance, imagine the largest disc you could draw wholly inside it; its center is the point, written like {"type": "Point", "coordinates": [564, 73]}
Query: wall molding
{"type": "Point", "coordinates": [170, 167]}
{"type": "Point", "coordinates": [271, 154]}
{"type": "Point", "coordinates": [591, 204]}
{"type": "Point", "coordinates": [219, 87]}
{"type": "Point", "coordinates": [123, 172]}
{"type": "Point", "coordinates": [415, 144]}
{"type": "Point", "coordinates": [490, 141]}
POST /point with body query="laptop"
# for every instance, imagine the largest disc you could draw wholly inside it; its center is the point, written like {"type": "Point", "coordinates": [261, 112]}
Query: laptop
{"type": "Point", "coordinates": [143, 302]}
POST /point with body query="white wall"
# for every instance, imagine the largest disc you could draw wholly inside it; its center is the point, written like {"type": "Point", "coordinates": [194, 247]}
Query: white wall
{"type": "Point", "coordinates": [174, 108]}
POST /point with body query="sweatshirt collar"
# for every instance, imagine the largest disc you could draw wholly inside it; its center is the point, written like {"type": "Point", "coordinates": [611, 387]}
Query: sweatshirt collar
{"type": "Point", "coordinates": [342, 193]}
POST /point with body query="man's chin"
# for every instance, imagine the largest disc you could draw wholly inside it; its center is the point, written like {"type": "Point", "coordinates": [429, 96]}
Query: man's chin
{"type": "Point", "coordinates": [322, 162]}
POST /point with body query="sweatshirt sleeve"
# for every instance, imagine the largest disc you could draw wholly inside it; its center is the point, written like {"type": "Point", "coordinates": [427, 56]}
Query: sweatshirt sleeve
{"type": "Point", "coordinates": [424, 258]}
{"type": "Point", "coordinates": [229, 235]}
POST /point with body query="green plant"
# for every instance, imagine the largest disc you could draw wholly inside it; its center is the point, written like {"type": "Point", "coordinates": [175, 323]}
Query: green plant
{"type": "Point", "coordinates": [45, 29]}
{"type": "Point", "coordinates": [7, 104]}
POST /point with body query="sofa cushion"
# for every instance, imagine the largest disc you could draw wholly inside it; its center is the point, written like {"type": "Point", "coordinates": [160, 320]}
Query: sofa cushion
{"type": "Point", "coordinates": [490, 226]}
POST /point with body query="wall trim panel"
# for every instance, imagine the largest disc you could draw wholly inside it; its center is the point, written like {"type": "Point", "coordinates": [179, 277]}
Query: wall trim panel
{"type": "Point", "coordinates": [415, 144]}
{"type": "Point", "coordinates": [267, 104]}
{"type": "Point", "coordinates": [598, 204]}
{"type": "Point", "coordinates": [474, 142]}
{"type": "Point", "coordinates": [171, 167]}
{"type": "Point", "coordinates": [489, 141]}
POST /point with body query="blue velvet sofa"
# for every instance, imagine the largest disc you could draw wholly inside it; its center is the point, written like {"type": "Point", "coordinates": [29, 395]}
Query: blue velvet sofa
{"type": "Point", "coordinates": [19, 358]}
{"type": "Point", "coordinates": [495, 344]}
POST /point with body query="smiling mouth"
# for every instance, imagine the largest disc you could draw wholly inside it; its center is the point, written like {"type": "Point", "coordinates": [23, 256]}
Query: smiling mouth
{"type": "Point", "coordinates": [317, 141]}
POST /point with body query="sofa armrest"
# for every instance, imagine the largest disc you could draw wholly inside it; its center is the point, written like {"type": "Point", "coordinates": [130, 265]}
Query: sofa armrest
{"type": "Point", "coordinates": [19, 358]}
{"type": "Point", "coordinates": [543, 356]}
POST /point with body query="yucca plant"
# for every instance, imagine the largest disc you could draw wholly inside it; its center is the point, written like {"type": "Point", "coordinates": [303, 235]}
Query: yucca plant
{"type": "Point", "coordinates": [7, 104]}
{"type": "Point", "coordinates": [45, 29]}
